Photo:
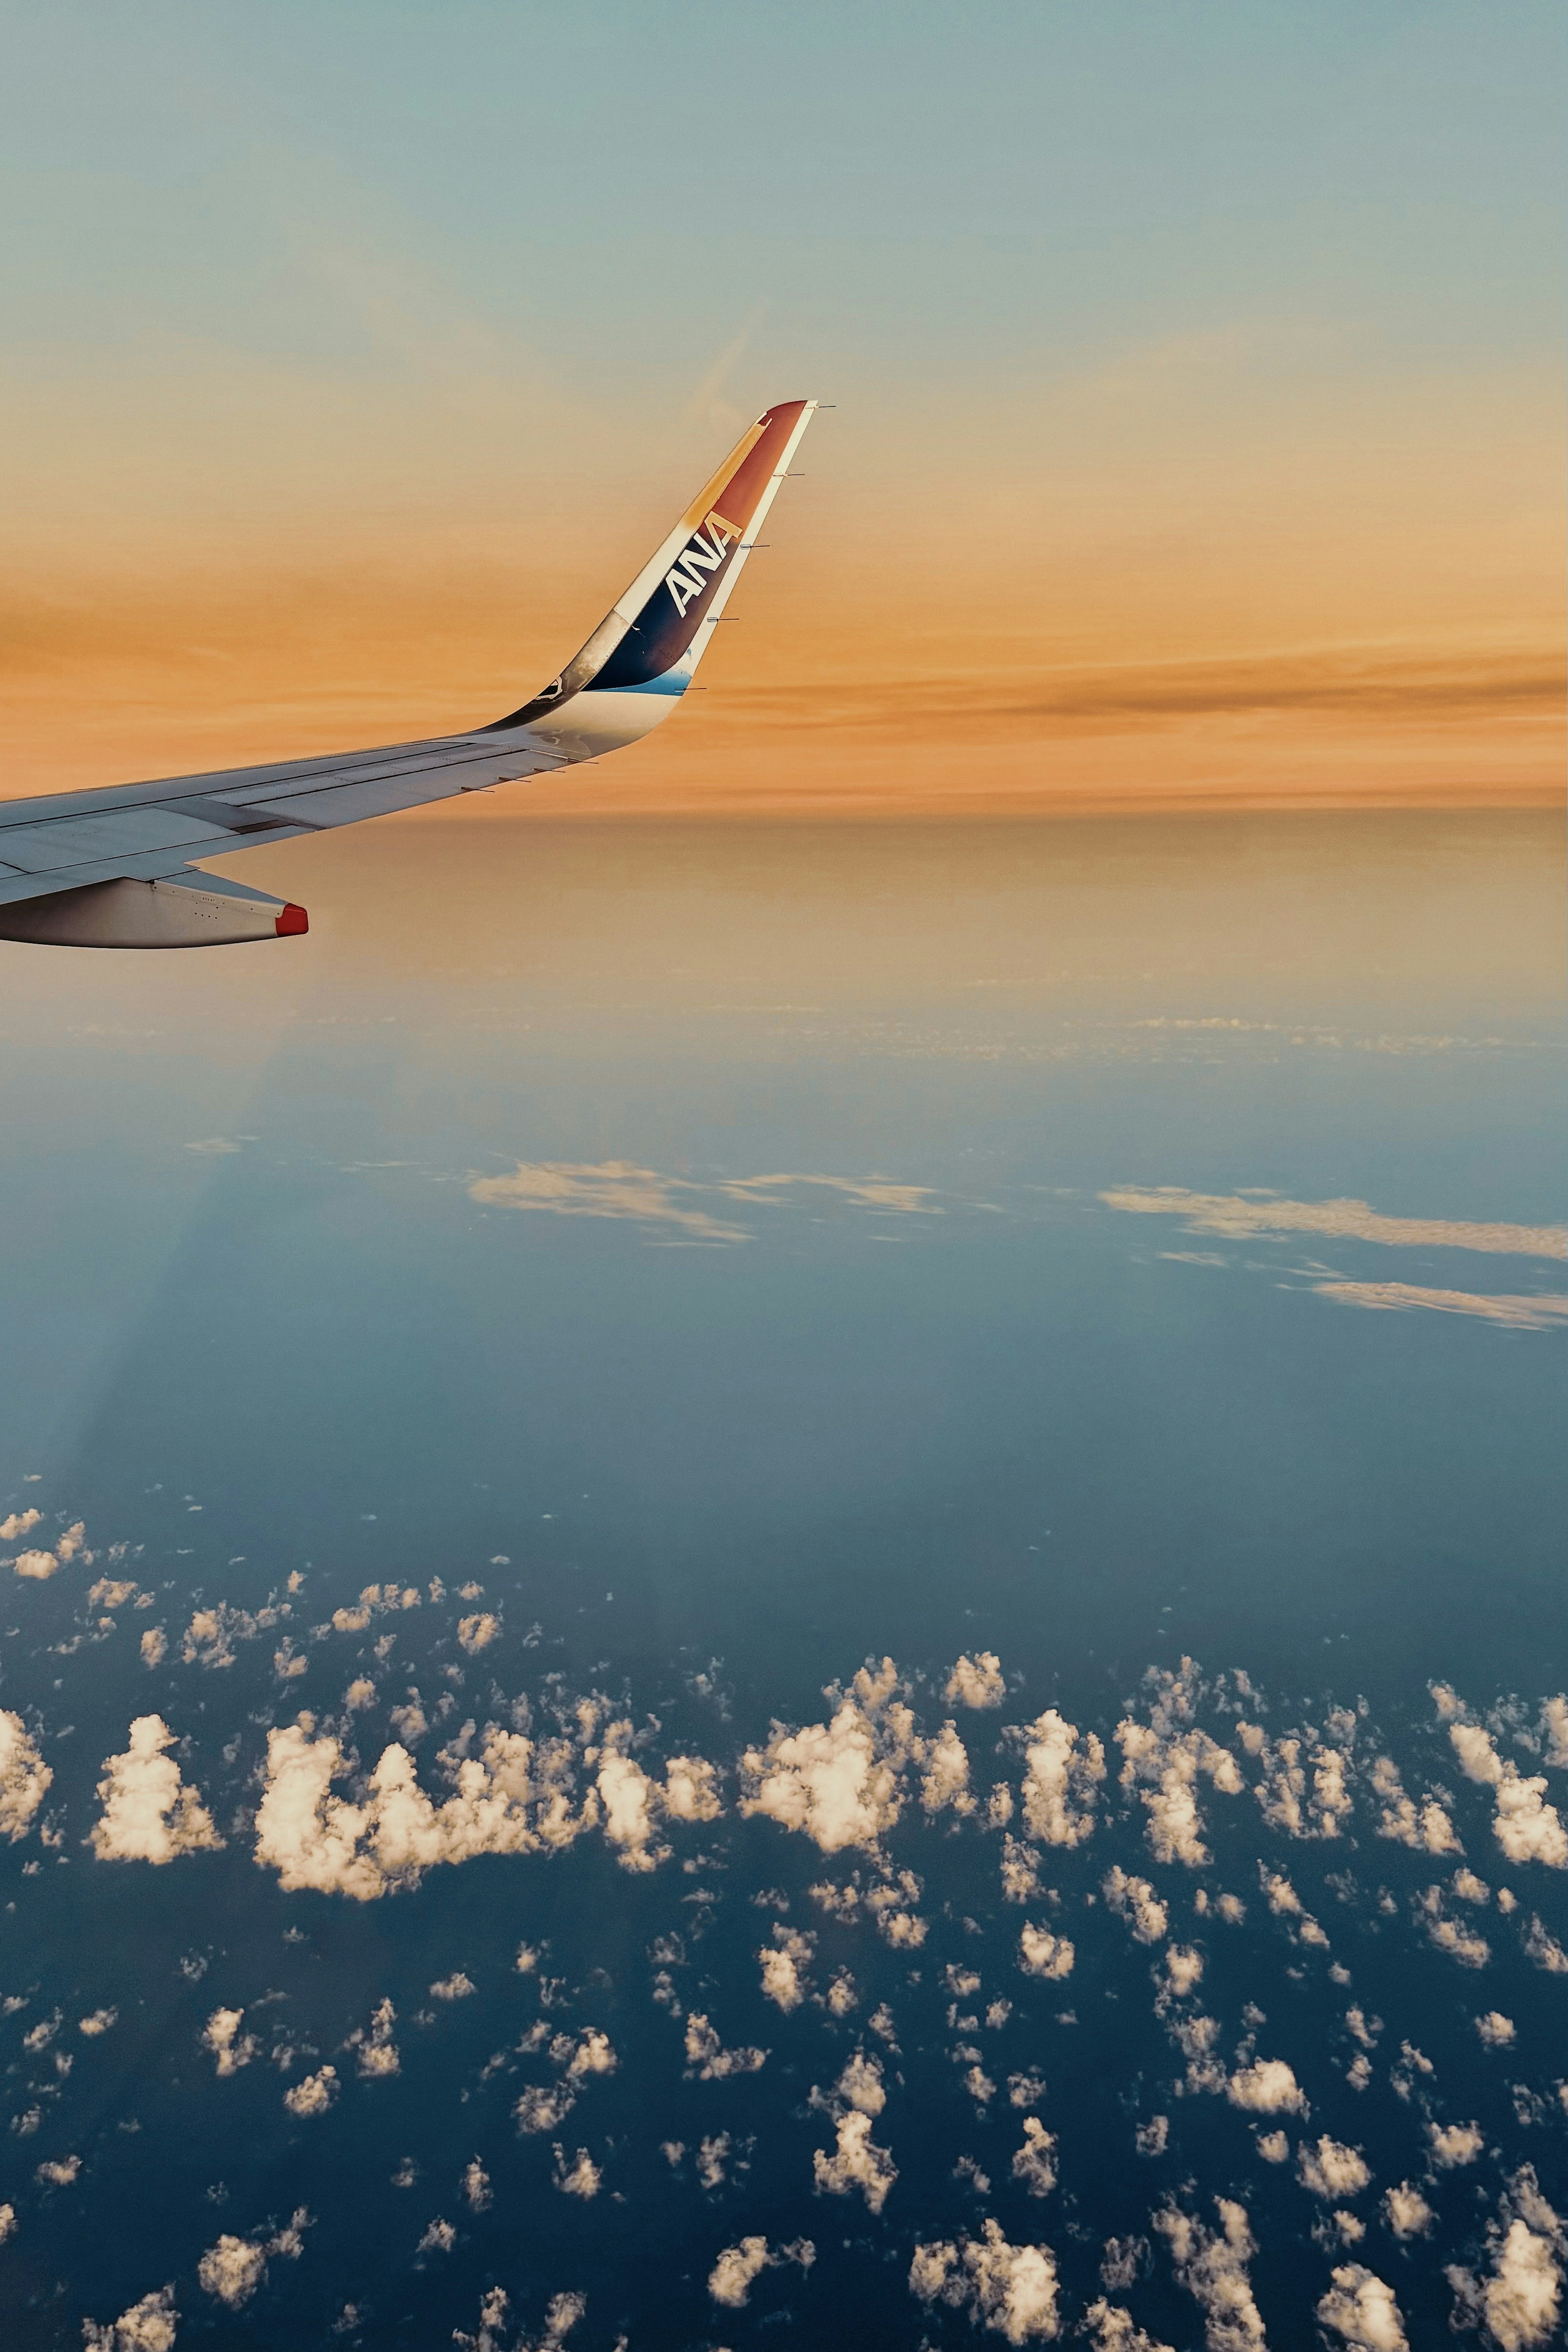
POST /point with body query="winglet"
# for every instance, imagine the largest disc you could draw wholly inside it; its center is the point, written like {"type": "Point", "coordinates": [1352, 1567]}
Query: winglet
{"type": "Point", "coordinates": [640, 658]}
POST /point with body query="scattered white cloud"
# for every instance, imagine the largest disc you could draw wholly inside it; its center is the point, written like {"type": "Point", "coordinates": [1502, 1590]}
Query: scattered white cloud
{"type": "Point", "coordinates": [976, 1682]}
{"type": "Point", "coordinates": [1212, 2266]}
{"type": "Point", "coordinates": [1519, 2300]}
{"type": "Point", "coordinates": [17, 1524]}
{"type": "Point", "coordinates": [314, 2094]}
{"type": "Point", "coordinates": [476, 1632]}
{"type": "Point", "coordinates": [1455, 2144]}
{"type": "Point", "coordinates": [1406, 2212]}
{"type": "Point", "coordinates": [25, 1777]}
{"type": "Point", "coordinates": [740, 2267]}
{"type": "Point", "coordinates": [781, 1966]}
{"type": "Point", "coordinates": [1455, 1936]}
{"type": "Point", "coordinates": [154, 1647]}
{"type": "Point", "coordinates": [233, 2269]}
{"type": "Point", "coordinates": [456, 1987]}
{"type": "Point", "coordinates": [1240, 1219]}
{"type": "Point", "coordinates": [148, 2326]}
{"type": "Point", "coordinates": [1135, 1900]}
{"type": "Point", "coordinates": [1266, 2088]}
{"type": "Point", "coordinates": [1169, 1753]}
{"type": "Point", "coordinates": [841, 1782]}
{"type": "Point", "coordinates": [1525, 1826]}
{"type": "Point", "coordinates": [1044, 1954]}
{"type": "Point", "coordinates": [1061, 1776]}
{"type": "Point", "coordinates": [1430, 1831]}
{"type": "Point", "coordinates": [581, 2178]}
{"type": "Point", "coordinates": [856, 2163]}
{"type": "Point", "coordinates": [1543, 1947]}
{"type": "Point", "coordinates": [1332, 2170]}
{"type": "Point", "coordinates": [100, 2021]}
{"type": "Point", "coordinates": [707, 2058]}
{"type": "Point", "coordinates": [60, 2172]}
{"type": "Point", "coordinates": [149, 1812]}
{"type": "Point", "coordinates": [1361, 2309]}
{"type": "Point", "coordinates": [222, 2035]}
{"type": "Point", "coordinates": [609, 1188]}
{"type": "Point", "coordinates": [378, 2053]}
{"type": "Point", "coordinates": [1035, 2162]}
{"type": "Point", "coordinates": [1111, 2328]}
{"type": "Point", "coordinates": [946, 1781]}
{"type": "Point", "coordinates": [1011, 2289]}
{"type": "Point", "coordinates": [1496, 2031]}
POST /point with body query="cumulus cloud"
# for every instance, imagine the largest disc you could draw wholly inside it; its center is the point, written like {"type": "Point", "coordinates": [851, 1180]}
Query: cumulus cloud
{"type": "Point", "coordinates": [856, 2163]}
{"type": "Point", "coordinates": [1455, 2144]}
{"type": "Point", "coordinates": [377, 2054]}
{"type": "Point", "coordinates": [1283, 1794]}
{"type": "Point", "coordinates": [315, 2095]}
{"type": "Point", "coordinates": [1063, 1773]}
{"type": "Point", "coordinates": [839, 1783]}
{"type": "Point", "coordinates": [1168, 1755]}
{"type": "Point", "coordinates": [1495, 2030]}
{"type": "Point", "coordinates": [210, 1637]}
{"type": "Point", "coordinates": [148, 2326]}
{"type": "Point", "coordinates": [1406, 2212]}
{"type": "Point", "coordinates": [1011, 2289]}
{"type": "Point", "coordinates": [976, 1682]}
{"type": "Point", "coordinates": [1044, 1953]}
{"type": "Point", "coordinates": [1332, 2170]}
{"type": "Point", "coordinates": [608, 1188]}
{"type": "Point", "coordinates": [149, 1812]}
{"type": "Point", "coordinates": [1543, 1947]}
{"type": "Point", "coordinates": [1519, 2302]}
{"type": "Point", "coordinates": [1267, 2087]}
{"type": "Point", "coordinates": [581, 2178]}
{"type": "Point", "coordinates": [154, 1647]}
{"type": "Point", "coordinates": [707, 2058]}
{"type": "Point", "coordinates": [634, 1803]}
{"type": "Point", "coordinates": [781, 1966]}
{"type": "Point", "coordinates": [1455, 1936]}
{"type": "Point", "coordinates": [59, 2174]}
{"type": "Point", "coordinates": [476, 1632]}
{"type": "Point", "coordinates": [1135, 1900]}
{"type": "Point", "coordinates": [222, 2035]}
{"type": "Point", "coordinates": [1035, 2162]}
{"type": "Point", "coordinates": [740, 2267]}
{"type": "Point", "coordinates": [1212, 2266]}
{"type": "Point", "coordinates": [17, 1524]}
{"type": "Point", "coordinates": [1518, 1310]}
{"type": "Point", "coordinates": [514, 1797]}
{"type": "Point", "coordinates": [233, 2269]}
{"type": "Point", "coordinates": [946, 1781]}
{"type": "Point", "coordinates": [1239, 1219]}
{"type": "Point", "coordinates": [1525, 1826]}
{"type": "Point", "coordinates": [1360, 2309]}
{"type": "Point", "coordinates": [1109, 2328]}
{"type": "Point", "coordinates": [100, 2021]}
{"type": "Point", "coordinates": [1430, 1831]}
{"type": "Point", "coordinates": [25, 1777]}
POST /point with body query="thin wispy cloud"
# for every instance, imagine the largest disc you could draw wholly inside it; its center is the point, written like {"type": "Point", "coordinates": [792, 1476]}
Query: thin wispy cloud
{"type": "Point", "coordinates": [1545, 1312]}
{"type": "Point", "coordinates": [619, 1189]}
{"type": "Point", "coordinates": [1245, 1217]}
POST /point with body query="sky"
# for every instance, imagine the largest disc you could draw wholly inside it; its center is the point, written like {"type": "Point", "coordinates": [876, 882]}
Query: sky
{"type": "Point", "coordinates": [1195, 383]}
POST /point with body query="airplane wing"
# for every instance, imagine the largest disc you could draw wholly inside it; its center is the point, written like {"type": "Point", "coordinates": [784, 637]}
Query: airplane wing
{"type": "Point", "coordinates": [113, 867]}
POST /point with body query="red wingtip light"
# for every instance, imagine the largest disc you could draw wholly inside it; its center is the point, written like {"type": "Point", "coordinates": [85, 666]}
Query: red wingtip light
{"type": "Point", "coordinates": [292, 922]}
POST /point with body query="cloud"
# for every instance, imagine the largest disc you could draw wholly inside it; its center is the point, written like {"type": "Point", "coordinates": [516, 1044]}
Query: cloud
{"type": "Point", "coordinates": [456, 1987]}
{"type": "Point", "coordinates": [1361, 2308]}
{"type": "Point", "coordinates": [1212, 2266]}
{"type": "Point", "coordinates": [1519, 1311]}
{"type": "Point", "coordinates": [17, 1524]}
{"type": "Point", "coordinates": [1406, 2212]}
{"type": "Point", "coordinates": [581, 2178]}
{"type": "Point", "coordinates": [211, 1633]}
{"type": "Point", "coordinates": [618, 1189]}
{"type": "Point", "coordinates": [781, 1966]}
{"type": "Point", "coordinates": [633, 1803]}
{"type": "Point", "coordinates": [1520, 2302]}
{"type": "Point", "coordinates": [1431, 1831]}
{"type": "Point", "coordinates": [977, 1681]}
{"type": "Point", "coordinates": [148, 2326]}
{"type": "Point", "coordinates": [25, 1777]}
{"type": "Point", "coordinates": [149, 1813]}
{"type": "Point", "coordinates": [840, 1781]}
{"type": "Point", "coordinates": [1495, 2030]}
{"type": "Point", "coordinates": [476, 1632]}
{"type": "Point", "coordinates": [1267, 2087]}
{"type": "Point", "coordinates": [214, 1146]}
{"type": "Point", "coordinates": [1241, 1219]}
{"type": "Point", "coordinates": [1135, 1900]}
{"type": "Point", "coordinates": [740, 2267]}
{"type": "Point", "coordinates": [315, 2095]}
{"type": "Point", "coordinates": [561, 2315]}
{"type": "Point", "coordinates": [36, 1566]}
{"type": "Point", "coordinates": [1035, 2162]}
{"type": "Point", "coordinates": [1282, 1793]}
{"type": "Point", "coordinates": [1110, 2329]}
{"type": "Point", "coordinates": [1545, 1949]}
{"type": "Point", "coordinates": [233, 2269]}
{"type": "Point", "coordinates": [221, 2036]}
{"type": "Point", "coordinates": [856, 2163]}
{"type": "Point", "coordinates": [60, 2174]}
{"type": "Point", "coordinates": [154, 1647]}
{"type": "Point", "coordinates": [514, 1797]}
{"type": "Point", "coordinates": [378, 2053]}
{"type": "Point", "coordinates": [1455, 1936]}
{"type": "Point", "coordinates": [708, 2059]}
{"type": "Point", "coordinates": [1012, 2289]}
{"type": "Point", "coordinates": [100, 2021]}
{"type": "Point", "coordinates": [1525, 1826]}
{"type": "Point", "coordinates": [1062, 1771]}
{"type": "Point", "coordinates": [1455, 2144]}
{"type": "Point", "coordinates": [1044, 1953]}
{"type": "Point", "coordinates": [1332, 2170]}
{"type": "Point", "coordinates": [1173, 1758]}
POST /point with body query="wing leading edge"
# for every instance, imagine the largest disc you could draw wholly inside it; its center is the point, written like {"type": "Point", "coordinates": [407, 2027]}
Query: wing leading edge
{"type": "Point", "coordinates": [114, 867]}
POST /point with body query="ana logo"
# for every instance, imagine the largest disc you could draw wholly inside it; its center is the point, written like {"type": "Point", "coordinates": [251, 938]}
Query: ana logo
{"type": "Point", "coordinates": [701, 556]}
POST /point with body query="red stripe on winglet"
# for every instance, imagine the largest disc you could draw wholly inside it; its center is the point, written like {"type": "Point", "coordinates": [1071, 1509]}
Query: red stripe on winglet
{"type": "Point", "coordinates": [292, 922]}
